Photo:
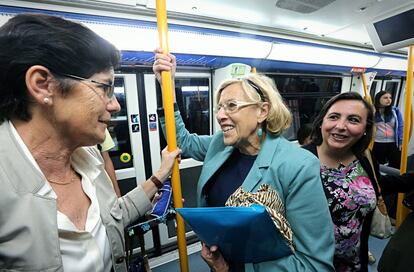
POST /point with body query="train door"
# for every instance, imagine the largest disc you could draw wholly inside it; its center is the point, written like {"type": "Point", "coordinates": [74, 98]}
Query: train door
{"type": "Point", "coordinates": [130, 138]}
{"type": "Point", "coordinates": [127, 155]}
{"type": "Point", "coordinates": [401, 105]}
{"type": "Point", "coordinates": [375, 88]}
{"type": "Point", "coordinates": [194, 101]}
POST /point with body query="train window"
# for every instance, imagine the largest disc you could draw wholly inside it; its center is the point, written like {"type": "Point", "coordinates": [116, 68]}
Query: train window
{"type": "Point", "coordinates": [392, 87]}
{"type": "Point", "coordinates": [118, 129]}
{"type": "Point", "coordinates": [307, 84]}
{"type": "Point", "coordinates": [193, 101]}
{"type": "Point", "coordinates": [193, 98]}
{"type": "Point", "coordinates": [305, 95]}
{"type": "Point", "coordinates": [373, 89]}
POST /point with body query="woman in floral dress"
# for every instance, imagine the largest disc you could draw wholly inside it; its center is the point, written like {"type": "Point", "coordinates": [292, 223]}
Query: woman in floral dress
{"type": "Point", "coordinates": [341, 133]}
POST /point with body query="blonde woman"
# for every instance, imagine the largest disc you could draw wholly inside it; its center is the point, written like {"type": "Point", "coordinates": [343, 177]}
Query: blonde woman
{"type": "Point", "coordinates": [248, 152]}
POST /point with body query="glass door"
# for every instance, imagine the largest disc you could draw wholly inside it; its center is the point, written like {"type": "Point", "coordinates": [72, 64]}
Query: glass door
{"type": "Point", "coordinates": [127, 155]}
{"type": "Point", "coordinates": [375, 88]}
{"type": "Point", "coordinates": [194, 101]}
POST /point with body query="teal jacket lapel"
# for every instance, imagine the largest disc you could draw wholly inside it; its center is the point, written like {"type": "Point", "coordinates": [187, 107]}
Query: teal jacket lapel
{"type": "Point", "coordinates": [212, 163]}
{"type": "Point", "coordinates": [217, 157]}
{"type": "Point", "coordinates": [262, 163]}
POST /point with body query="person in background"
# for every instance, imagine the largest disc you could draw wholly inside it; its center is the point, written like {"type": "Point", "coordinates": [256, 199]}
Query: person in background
{"type": "Point", "coordinates": [58, 209]}
{"type": "Point", "coordinates": [104, 147]}
{"type": "Point", "coordinates": [304, 134]}
{"type": "Point", "coordinates": [341, 133]}
{"type": "Point", "coordinates": [398, 253]}
{"type": "Point", "coordinates": [388, 140]}
{"type": "Point", "coordinates": [389, 131]}
{"type": "Point", "coordinates": [249, 152]}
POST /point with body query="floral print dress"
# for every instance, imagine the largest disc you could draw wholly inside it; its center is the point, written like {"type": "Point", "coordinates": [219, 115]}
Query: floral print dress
{"type": "Point", "coordinates": [351, 197]}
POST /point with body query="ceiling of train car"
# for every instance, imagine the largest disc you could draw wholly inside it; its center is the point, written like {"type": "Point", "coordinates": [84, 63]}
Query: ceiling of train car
{"type": "Point", "coordinates": [330, 19]}
{"type": "Point", "coordinates": [324, 20]}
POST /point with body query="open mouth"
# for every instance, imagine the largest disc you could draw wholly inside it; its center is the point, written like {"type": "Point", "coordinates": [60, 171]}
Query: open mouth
{"type": "Point", "coordinates": [106, 122]}
{"type": "Point", "coordinates": [227, 128]}
{"type": "Point", "coordinates": [339, 137]}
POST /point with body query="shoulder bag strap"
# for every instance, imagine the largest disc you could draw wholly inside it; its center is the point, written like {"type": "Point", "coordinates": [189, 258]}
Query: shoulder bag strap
{"type": "Point", "coordinates": [380, 201]}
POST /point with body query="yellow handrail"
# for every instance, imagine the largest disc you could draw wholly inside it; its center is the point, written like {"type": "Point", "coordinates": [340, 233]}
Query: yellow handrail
{"type": "Point", "coordinates": [402, 211]}
{"type": "Point", "coordinates": [364, 84]}
{"type": "Point", "coordinates": [369, 100]}
{"type": "Point", "coordinates": [168, 104]}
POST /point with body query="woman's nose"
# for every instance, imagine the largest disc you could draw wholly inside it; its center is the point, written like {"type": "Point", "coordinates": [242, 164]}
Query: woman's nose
{"type": "Point", "coordinates": [221, 114]}
{"type": "Point", "coordinates": [341, 124]}
{"type": "Point", "coordinates": [113, 105]}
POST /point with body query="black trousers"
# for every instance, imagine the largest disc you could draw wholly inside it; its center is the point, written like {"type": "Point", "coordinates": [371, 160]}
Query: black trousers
{"type": "Point", "coordinates": [383, 153]}
{"type": "Point", "coordinates": [398, 254]}
{"type": "Point", "coordinates": [387, 152]}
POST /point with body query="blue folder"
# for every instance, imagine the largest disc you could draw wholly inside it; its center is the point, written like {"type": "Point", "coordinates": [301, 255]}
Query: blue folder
{"type": "Point", "coordinates": [243, 234]}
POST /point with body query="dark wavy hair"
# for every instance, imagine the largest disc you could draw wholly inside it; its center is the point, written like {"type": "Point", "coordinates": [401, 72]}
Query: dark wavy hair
{"type": "Point", "coordinates": [304, 132]}
{"type": "Point", "coordinates": [60, 45]}
{"type": "Point", "coordinates": [362, 143]}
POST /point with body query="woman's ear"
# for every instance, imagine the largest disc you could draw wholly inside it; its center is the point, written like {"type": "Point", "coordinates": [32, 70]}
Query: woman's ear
{"type": "Point", "coordinates": [264, 111]}
{"type": "Point", "coordinates": [39, 84]}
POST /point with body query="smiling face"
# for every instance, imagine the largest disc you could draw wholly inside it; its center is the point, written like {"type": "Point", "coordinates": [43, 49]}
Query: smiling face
{"type": "Point", "coordinates": [239, 127]}
{"type": "Point", "coordinates": [343, 125]}
{"type": "Point", "coordinates": [385, 100]}
{"type": "Point", "coordinates": [83, 114]}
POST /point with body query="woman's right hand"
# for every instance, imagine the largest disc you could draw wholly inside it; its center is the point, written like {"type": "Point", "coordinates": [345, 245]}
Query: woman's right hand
{"type": "Point", "coordinates": [167, 162]}
{"type": "Point", "coordinates": [163, 62]}
{"type": "Point", "coordinates": [214, 259]}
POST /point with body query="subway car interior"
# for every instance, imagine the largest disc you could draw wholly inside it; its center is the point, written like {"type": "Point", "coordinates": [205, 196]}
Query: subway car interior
{"type": "Point", "coordinates": [312, 50]}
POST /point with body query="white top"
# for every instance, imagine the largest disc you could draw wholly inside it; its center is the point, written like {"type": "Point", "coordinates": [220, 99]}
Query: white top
{"type": "Point", "coordinates": [81, 250]}
{"type": "Point", "coordinates": [385, 132]}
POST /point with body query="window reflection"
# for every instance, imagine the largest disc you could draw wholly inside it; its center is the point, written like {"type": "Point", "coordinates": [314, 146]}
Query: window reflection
{"type": "Point", "coordinates": [304, 110]}
{"type": "Point", "coordinates": [193, 105]}
{"type": "Point", "coordinates": [307, 84]}
{"type": "Point", "coordinates": [193, 96]}
{"type": "Point", "coordinates": [305, 96]}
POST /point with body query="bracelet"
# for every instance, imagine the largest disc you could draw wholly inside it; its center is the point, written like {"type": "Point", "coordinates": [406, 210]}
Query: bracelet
{"type": "Point", "coordinates": [156, 182]}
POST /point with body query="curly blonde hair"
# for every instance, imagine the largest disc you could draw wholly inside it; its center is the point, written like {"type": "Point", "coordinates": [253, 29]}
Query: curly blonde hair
{"type": "Point", "coordinates": [260, 88]}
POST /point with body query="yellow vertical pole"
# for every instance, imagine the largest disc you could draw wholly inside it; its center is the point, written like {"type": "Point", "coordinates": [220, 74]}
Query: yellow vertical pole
{"type": "Point", "coordinates": [168, 104]}
{"type": "Point", "coordinates": [364, 84]}
{"type": "Point", "coordinates": [369, 100]}
{"type": "Point", "coordinates": [402, 211]}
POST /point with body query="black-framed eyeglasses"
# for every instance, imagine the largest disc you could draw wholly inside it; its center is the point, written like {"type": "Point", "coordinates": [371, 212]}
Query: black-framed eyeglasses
{"type": "Point", "coordinates": [107, 88]}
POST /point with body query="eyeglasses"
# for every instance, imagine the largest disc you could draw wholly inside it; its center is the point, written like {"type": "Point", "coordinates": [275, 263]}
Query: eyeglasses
{"type": "Point", "coordinates": [232, 106]}
{"type": "Point", "coordinates": [107, 88]}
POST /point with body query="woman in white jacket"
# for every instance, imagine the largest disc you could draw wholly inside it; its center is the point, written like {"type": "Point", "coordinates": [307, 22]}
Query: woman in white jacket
{"type": "Point", "coordinates": [58, 209]}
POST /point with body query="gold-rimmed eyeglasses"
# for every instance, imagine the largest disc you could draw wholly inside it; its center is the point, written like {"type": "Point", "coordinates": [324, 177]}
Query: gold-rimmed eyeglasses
{"type": "Point", "coordinates": [232, 106]}
{"type": "Point", "coordinates": [108, 89]}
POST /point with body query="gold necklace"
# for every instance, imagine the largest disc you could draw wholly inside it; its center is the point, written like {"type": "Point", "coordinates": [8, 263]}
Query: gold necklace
{"type": "Point", "coordinates": [72, 179]}
{"type": "Point", "coordinates": [345, 161]}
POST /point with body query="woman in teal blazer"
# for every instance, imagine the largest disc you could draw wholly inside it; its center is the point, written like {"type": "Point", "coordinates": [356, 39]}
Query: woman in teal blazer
{"type": "Point", "coordinates": [249, 152]}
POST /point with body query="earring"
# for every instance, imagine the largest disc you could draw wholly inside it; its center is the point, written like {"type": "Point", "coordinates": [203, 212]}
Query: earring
{"type": "Point", "coordinates": [46, 100]}
{"type": "Point", "coordinates": [365, 133]}
{"type": "Point", "coordinates": [260, 132]}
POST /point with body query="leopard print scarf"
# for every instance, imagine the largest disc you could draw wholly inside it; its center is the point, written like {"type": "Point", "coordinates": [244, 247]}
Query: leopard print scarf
{"type": "Point", "coordinates": [273, 203]}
